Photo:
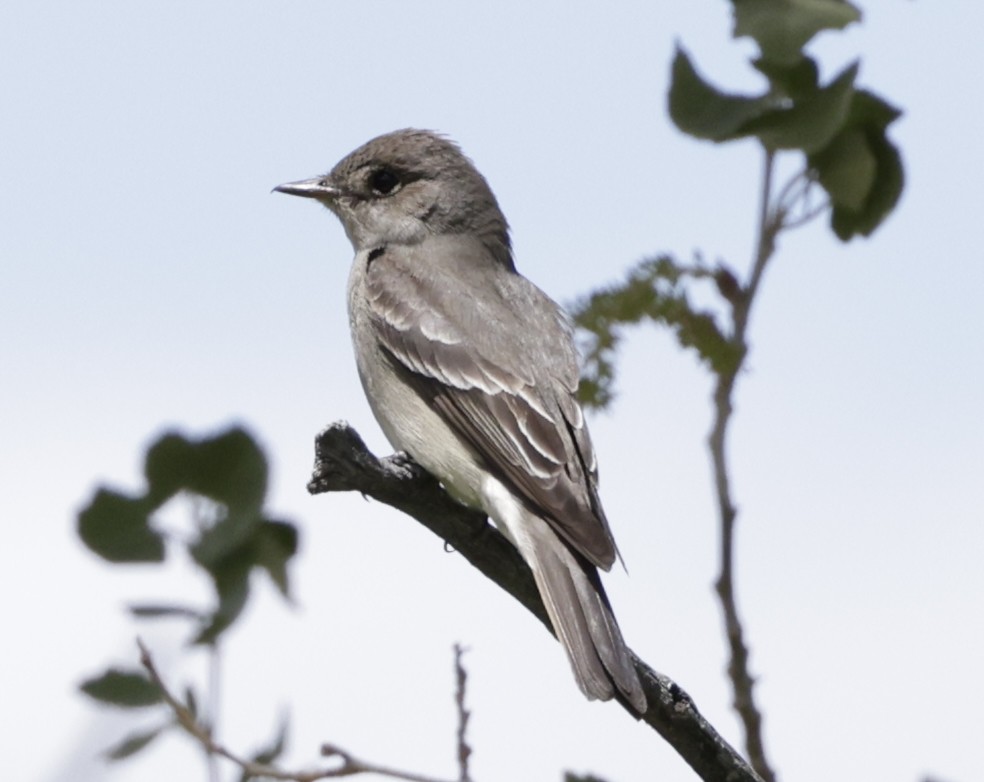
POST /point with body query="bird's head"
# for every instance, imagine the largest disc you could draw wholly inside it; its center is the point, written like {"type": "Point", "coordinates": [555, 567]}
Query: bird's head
{"type": "Point", "coordinates": [405, 186]}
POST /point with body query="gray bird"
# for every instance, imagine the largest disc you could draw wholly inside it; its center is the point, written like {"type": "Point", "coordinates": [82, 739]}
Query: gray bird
{"type": "Point", "coordinates": [471, 370]}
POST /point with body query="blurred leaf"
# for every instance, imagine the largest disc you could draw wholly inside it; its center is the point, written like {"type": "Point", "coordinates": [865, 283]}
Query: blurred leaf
{"type": "Point", "coordinates": [231, 581]}
{"type": "Point", "coordinates": [167, 466]}
{"type": "Point", "coordinates": [272, 751]}
{"type": "Point", "coordinates": [229, 551]}
{"type": "Point", "coordinates": [117, 528]}
{"type": "Point", "coordinates": [232, 470]}
{"type": "Point", "coordinates": [269, 545]}
{"type": "Point", "coordinates": [191, 702]}
{"type": "Point", "coordinates": [128, 689]}
{"type": "Point", "coordinates": [596, 391]}
{"type": "Point", "coordinates": [846, 169]}
{"type": "Point", "coordinates": [227, 539]}
{"type": "Point", "coordinates": [781, 28]}
{"type": "Point", "coordinates": [728, 285]}
{"type": "Point", "coordinates": [133, 743]}
{"type": "Point", "coordinates": [148, 611]}
{"type": "Point", "coordinates": [811, 121]}
{"type": "Point", "coordinates": [884, 195]}
{"type": "Point", "coordinates": [275, 544]}
{"type": "Point", "coordinates": [861, 169]}
{"type": "Point", "coordinates": [229, 468]}
{"type": "Point", "coordinates": [797, 79]}
{"type": "Point", "coordinates": [228, 474]}
{"type": "Point", "coordinates": [870, 111]}
{"type": "Point", "coordinates": [654, 290]}
{"type": "Point", "coordinates": [698, 108]}
{"type": "Point", "coordinates": [220, 468]}
{"type": "Point", "coordinates": [795, 114]}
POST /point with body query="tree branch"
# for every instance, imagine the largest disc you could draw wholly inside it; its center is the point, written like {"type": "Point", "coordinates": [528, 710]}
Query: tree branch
{"type": "Point", "coordinates": [348, 764]}
{"type": "Point", "coordinates": [343, 463]}
{"type": "Point", "coordinates": [742, 681]}
{"type": "Point", "coordinates": [461, 680]}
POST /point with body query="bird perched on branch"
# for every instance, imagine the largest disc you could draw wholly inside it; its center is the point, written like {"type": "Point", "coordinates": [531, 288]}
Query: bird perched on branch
{"type": "Point", "coordinates": [471, 370]}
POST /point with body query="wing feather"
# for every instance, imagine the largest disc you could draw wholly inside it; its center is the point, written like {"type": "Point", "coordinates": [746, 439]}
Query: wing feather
{"type": "Point", "coordinates": [498, 365]}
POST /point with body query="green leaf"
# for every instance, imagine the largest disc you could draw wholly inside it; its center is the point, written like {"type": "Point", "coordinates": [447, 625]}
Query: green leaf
{"type": "Point", "coordinates": [274, 545]}
{"type": "Point", "coordinates": [703, 111]}
{"type": "Point", "coordinates": [228, 539]}
{"type": "Point", "coordinates": [229, 468]}
{"type": "Point", "coordinates": [870, 111]}
{"type": "Point", "coordinates": [843, 169]}
{"type": "Point", "coordinates": [811, 122]}
{"type": "Point", "coordinates": [654, 290]}
{"type": "Point", "coordinates": [797, 79]}
{"type": "Point", "coordinates": [149, 611]}
{"type": "Point", "coordinates": [232, 470]}
{"type": "Point", "coordinates": [699, 330]}
{"type": "Point", "coordinates": [781, 28]}
{"type": "Point", "coordinates": [888, 185]}
{"type": "Point", "coordinates": [596, 392]}
{"type": "Point", "coordinates": [117, 528]}
{"type": "Point", "coordinates": [167, 467]}
{"type": "Point", "coordinates": [229, 552]}
{"type": "Point", "coordinates": [846, 169]}
{"type": "Point", "coordinates": [231, 582]}
{"type": "Point", "coordinates": [133, 743]}
{"type": "Point", "coordinates": [127, 689]}
{"type": "Point", "coordinates": [885, 193]}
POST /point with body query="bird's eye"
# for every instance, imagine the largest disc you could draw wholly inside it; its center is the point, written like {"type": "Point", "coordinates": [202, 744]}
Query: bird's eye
{"type": "Point", "coordinates": [383, 181]}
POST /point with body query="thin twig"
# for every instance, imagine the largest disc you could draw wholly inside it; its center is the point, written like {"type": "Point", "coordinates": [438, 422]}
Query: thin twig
{"type": "Point", "coordinates": [212, 710]}
{"type": "Point", "coordinates": [808, 214]}
{"type": "Point", "coordinates": [794, 190]}
{"type": "Point", "coordinates": [795, 197]}
{"type": "Point", "coordinates": [349, 765]}
{"type": "Point", "coordinates": [460, 682]}
{"type": "Point", "coordinates": [770, 223]}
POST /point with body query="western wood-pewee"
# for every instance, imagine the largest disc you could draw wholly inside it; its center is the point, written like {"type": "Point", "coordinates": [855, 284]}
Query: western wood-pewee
{"type": "Point", "coordinates": [471, 369]}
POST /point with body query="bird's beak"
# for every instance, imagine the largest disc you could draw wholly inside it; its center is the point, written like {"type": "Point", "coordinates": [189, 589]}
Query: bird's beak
{"type": "Point", "coordinates": [319, 187]}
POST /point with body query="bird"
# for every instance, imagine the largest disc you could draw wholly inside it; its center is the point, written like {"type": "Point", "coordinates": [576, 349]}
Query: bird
{"type": "Point", "coordinates": [472, 371]}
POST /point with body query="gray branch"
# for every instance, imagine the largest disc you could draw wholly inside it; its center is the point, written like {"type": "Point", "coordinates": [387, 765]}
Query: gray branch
{"type": "Point", "coordinates": [343, 463]}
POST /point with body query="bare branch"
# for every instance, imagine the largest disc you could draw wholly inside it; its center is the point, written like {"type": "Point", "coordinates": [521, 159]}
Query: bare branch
{"type": "Point", "coordinates": [343, 463]}
{"type": "Point", "coordinates": [742, 681]}
{"type": "Point", "coordinates": [348, 766]}
{"type": "Point", "coordinates": [214, 699]}
{"type": "Point", "coordinates": [461, 680]}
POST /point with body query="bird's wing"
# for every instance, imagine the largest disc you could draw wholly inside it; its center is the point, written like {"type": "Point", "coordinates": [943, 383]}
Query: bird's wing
{"type": "Point", "coordinates": [495, 358]}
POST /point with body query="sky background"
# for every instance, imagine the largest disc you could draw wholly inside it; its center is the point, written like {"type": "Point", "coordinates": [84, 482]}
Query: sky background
{"type": "Point", "coordinates": [149, 280]}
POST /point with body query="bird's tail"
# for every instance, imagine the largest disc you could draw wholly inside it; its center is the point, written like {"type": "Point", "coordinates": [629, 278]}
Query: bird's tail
{"type": "Point", "coordinates": [582, 619]}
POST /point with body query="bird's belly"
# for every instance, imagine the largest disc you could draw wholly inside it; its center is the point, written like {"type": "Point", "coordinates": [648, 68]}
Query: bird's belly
{"type": "Point", "coordinates": [411, 425]}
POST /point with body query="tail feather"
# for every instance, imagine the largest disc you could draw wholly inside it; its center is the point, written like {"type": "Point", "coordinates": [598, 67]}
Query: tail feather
{"type": "Point", "coordinates": [583, 621]}
{"type": "Point", "coordinates": [574, 598]}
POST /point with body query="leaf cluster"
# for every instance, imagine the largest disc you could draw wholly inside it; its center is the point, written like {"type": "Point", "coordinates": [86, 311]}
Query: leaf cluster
{"type": "Point", "coordinates": [655, 290]}
{"type": "Point", "coordinates": [837, 129]}
{"type": "Point", "coordinates": [226, 476]}
{"type": "Point", "coordinates": [840, 128]}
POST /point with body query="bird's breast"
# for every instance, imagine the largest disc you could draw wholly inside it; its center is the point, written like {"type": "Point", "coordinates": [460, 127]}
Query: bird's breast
{"type": "Point", "coordinates": [407, 418]}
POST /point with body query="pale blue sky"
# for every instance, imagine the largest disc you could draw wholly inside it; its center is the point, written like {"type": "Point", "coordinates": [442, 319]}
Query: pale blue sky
{"type": "Point", "coordinates": [148, 279]}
